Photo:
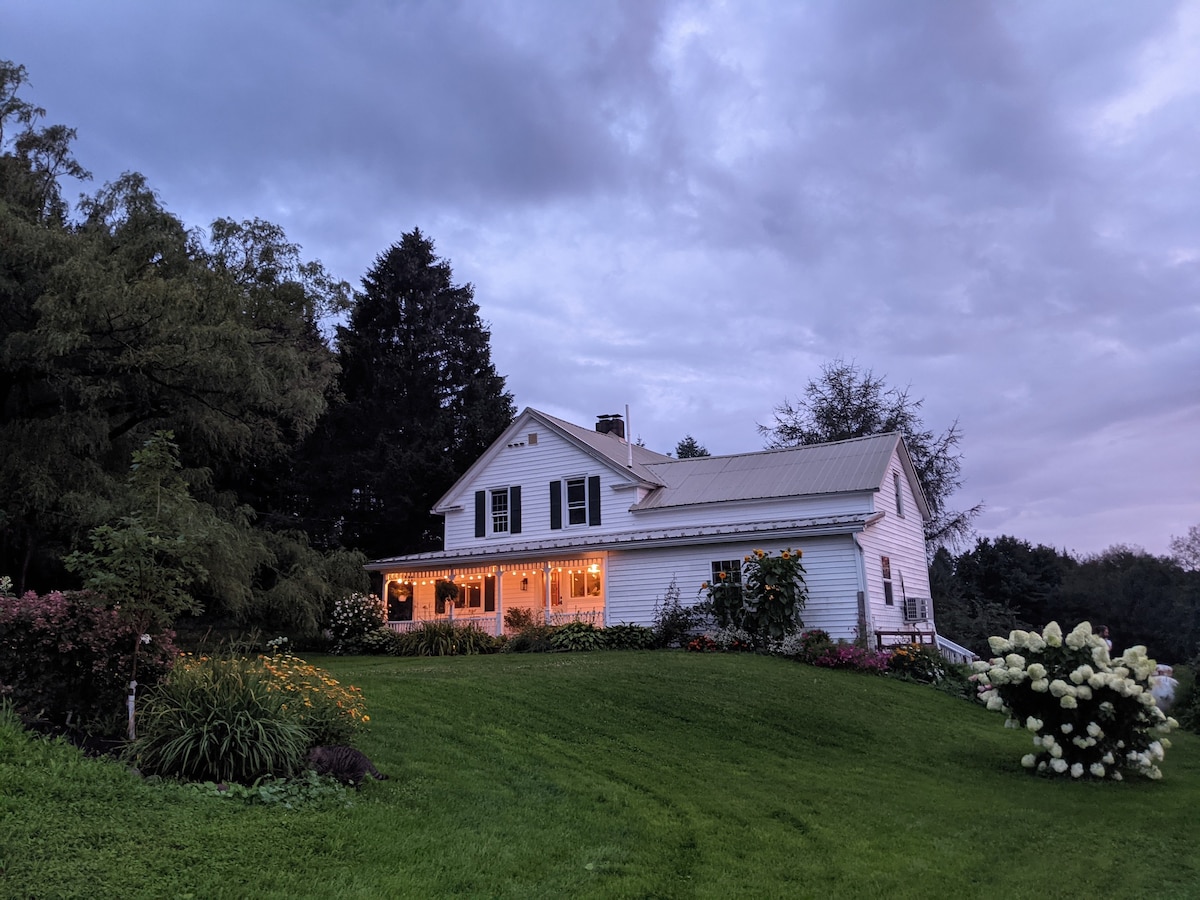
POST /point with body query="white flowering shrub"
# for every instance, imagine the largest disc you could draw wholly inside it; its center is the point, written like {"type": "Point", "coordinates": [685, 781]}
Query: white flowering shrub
{"type": "Point", "coordinates": [1091, 716]}
{"type": "Point", "coordinates": [354, 617]}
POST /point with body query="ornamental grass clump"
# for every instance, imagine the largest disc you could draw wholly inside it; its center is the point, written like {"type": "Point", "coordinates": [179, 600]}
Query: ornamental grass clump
{"type": "Point", "coordinates": [1091, 716]}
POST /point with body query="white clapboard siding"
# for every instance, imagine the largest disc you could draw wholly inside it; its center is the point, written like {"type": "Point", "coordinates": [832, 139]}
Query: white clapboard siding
{"type": "Point", "coordinates": [533, 467]}
{"type": "Point", "coordinates": [901, 538]}
{"type": "Point", "coordinates": [638, 580]}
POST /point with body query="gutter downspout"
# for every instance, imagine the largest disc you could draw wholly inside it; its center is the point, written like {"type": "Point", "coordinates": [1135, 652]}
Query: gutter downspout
{"type": "Point", "coordinates": [864, 606]}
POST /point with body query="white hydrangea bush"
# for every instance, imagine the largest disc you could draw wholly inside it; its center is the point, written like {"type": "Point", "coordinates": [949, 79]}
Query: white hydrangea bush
{"type": "Point", "coordinates": [1091, 716]}
{"type": "Point", "coordinates": [355, 616]}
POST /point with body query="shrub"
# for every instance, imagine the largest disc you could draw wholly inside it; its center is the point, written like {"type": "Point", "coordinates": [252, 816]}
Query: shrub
{"type": "Point", "coordinates": [576, 636]}
{"type": "Point", "coordinates": [531, 639]}
{"type": "Point", "coordinates": [1091, 716]}
{"type": "Point", "coordinates": [843, 655]}
{"type": "Point", "coordinates": [674, 623]}
{"type": "Point", "coordinates": [519, 617]}
{"type": "Point", "coordinates": [805, 646]}
{"type": "Point", "coordinates": [353, 618]}
{"type": "Point", "coordinates": [67, 657]}
{"type": "Point", "coordinates": [629, 637]}
{"type": "Point", "coordinates": [701, 643]}
{"type": "Point", "coordinates": [380, 642]}
{"type": "Point", "coordinates": [917, 662]}
{"type": "Point", "coordinates": [218, 720]}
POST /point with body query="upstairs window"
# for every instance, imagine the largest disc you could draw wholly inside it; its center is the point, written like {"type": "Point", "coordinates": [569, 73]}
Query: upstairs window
{"type": "Point", "coordinates": [575, 501]}
{"type": "Point", "coordinates": [899, 494]}
{"type": "Point", "coordinates": [498, 511]}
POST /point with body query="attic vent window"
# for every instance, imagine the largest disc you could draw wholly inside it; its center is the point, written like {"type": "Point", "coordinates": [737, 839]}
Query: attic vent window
{"type": "Point", "coordinates": [532, 439]}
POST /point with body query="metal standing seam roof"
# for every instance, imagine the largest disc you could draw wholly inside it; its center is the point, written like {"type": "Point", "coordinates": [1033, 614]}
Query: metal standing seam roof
{"type": "Point", "coordinates": [859, 464]}
{"type": "Point", "coordinates": [577, 543]}
{"type": "Point", "coordinates": [614, 449]}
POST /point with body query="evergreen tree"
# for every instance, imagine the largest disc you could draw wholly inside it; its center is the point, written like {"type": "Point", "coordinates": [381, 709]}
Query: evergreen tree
{"type": "Point", "coordinates": [419, 400]}
{"type": "Point", "coordinates": [688, 448]}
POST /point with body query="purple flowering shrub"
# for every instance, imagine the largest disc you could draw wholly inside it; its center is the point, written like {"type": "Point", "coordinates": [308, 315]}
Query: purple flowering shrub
{"type": "Point", "coordinates": [67, 654]}
{"type": "Point", "coordinates": [847, 656]}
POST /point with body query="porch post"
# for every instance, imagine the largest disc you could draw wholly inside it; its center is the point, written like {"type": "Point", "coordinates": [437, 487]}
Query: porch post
{"type": "Point", "coordinates": [546, 579]}
{"type": "Point", "coordinates": [499, 601]}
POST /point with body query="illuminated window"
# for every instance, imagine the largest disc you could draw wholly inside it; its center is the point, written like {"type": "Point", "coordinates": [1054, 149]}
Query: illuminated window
{"type": "Point", "coordinates": [583, 584]}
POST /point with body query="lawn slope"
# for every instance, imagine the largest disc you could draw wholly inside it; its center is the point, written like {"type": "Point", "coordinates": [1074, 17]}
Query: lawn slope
{"type": "Point", "coordinates": [624, 775]}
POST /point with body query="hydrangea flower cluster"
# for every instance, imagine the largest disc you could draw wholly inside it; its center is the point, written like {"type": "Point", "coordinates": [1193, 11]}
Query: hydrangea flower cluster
{"type": "Point", "coordinates": [355, 616]}
{"type": "Point", "coordinates": [1090, 715]}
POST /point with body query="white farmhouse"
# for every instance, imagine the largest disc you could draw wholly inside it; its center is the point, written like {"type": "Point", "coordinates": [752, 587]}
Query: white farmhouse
{"type": "Point", "coordinates": [570, 522]}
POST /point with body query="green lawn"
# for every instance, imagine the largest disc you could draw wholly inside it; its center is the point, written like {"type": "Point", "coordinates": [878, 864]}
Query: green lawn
{"type": "Point", "coordinates": [625, 775]}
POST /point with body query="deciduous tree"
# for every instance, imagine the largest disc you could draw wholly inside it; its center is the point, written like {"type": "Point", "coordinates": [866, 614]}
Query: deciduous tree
{"type": "Point", "coordinates": [849, 402]}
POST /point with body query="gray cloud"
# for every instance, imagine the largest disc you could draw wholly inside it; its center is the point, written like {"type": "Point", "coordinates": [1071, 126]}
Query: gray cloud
{"type": "Point", "coordinates": [689, 206]}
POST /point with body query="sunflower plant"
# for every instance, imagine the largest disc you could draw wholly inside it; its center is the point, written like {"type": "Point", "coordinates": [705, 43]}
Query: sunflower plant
{"type": "Point", "coordinates": [768, 601]}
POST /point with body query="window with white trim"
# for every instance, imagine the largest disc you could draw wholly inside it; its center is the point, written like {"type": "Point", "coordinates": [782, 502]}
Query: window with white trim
{"type": "Point", "coordinates": [498, 511]}
{"type": "Point", "coordinates": [886, 568]}
{"type": "Point", "coordinates": [899, 494]}
{"type": "Point", "coordinates": [727, 571]}
{"type": "Point", "coordinates": [576, 501]}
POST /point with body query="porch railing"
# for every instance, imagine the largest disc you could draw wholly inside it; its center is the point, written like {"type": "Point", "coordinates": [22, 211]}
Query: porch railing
{"type": "Point", "coordinates": [955, 653]}
{"type": "Point", "coordinates": [950, 651]}
{"type": "Point", "coordinates": [488, 625]}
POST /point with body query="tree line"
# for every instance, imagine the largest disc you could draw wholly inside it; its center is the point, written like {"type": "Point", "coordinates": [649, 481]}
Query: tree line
{"type": "Point", "coordinates": [311, 424]}
{"type": "Point", "coordinates": [1005, 583]}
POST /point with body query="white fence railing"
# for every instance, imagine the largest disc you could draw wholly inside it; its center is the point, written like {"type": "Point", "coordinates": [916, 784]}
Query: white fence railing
{"type": "Point", "coordinates": [955, 653]}
{"type": "Point", "coordinates": [490, 625]}
{"type": "Point", "coordinates": [486, 624]}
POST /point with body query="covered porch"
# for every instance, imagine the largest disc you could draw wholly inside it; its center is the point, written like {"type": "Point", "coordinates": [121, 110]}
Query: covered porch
{"type": "Point", "coordinates": [548, 590]}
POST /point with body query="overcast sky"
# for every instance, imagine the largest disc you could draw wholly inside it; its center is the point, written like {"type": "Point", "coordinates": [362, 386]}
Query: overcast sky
{"type": "Point", "coordinates": [689, 207]}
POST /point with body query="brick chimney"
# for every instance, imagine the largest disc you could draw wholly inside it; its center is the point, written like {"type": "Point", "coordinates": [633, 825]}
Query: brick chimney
{"type": "Point", "coordinates": [611, 423]}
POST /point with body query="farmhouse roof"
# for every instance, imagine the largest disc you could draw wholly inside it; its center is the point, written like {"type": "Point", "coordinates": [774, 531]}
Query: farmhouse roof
{"type": "Point", "coordinates": [858, 464]}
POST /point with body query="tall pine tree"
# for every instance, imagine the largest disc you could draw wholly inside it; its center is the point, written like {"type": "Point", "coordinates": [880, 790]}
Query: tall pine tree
{"type": "Point", "coordinates": [419, 401]}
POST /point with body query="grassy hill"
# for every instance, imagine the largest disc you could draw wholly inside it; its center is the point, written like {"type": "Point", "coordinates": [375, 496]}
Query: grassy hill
{"type": "Point", "coordinates": [623, 775]}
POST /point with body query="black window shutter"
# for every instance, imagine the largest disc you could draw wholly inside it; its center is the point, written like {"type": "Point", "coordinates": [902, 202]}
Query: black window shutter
{"type": "Point", "coordinates": [593, 500]}
{"type": "Point", "coordinates": [514, 509]}
{"type": "Point", "coordinates": [556, 504]}
{"type": "Point", "coordinates": [480, 514]}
